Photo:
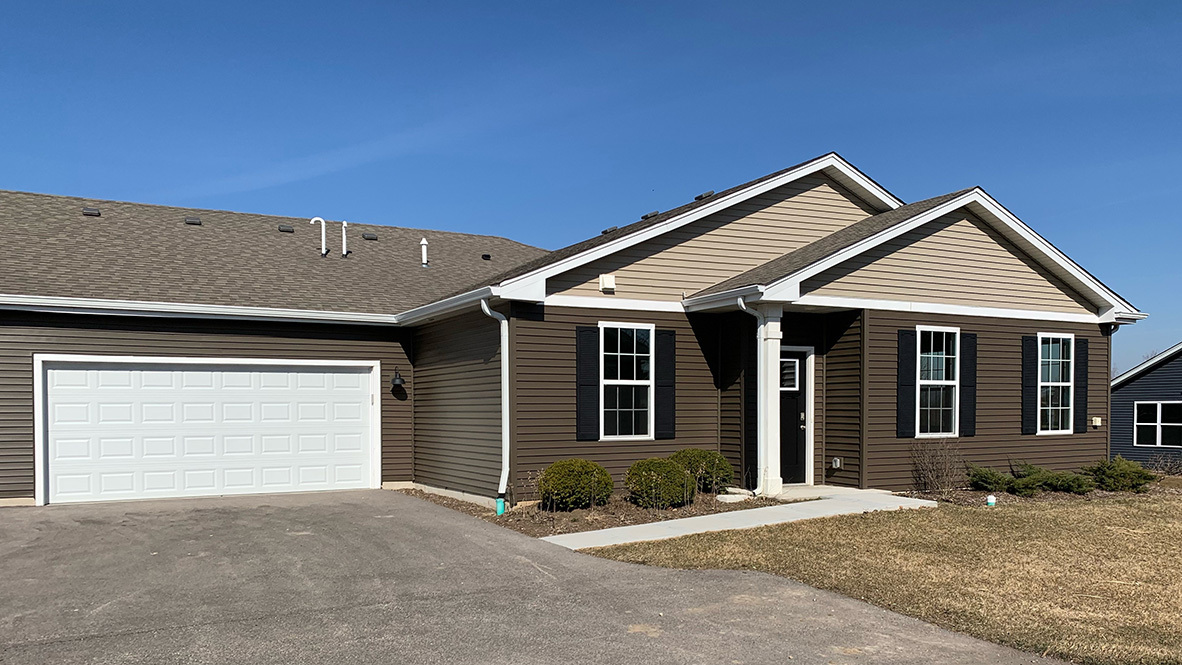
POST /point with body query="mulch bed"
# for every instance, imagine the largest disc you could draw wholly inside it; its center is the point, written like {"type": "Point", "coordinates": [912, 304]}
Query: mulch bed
{"type": "Point", "coordinates": [533, 521]}
{"type": "Point", "coordinates": [1169, 485]}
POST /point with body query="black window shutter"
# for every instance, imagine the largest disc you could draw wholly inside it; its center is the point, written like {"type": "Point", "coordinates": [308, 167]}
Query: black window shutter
{"type": "Point", "coordinates": [587, 381]}
{"type": "Point", "coordinates": [1081, 386]}
{"type": "Point", "coordinates": [665, 402]}
{"type": "Point", "coordinates": [905, 389]}
{"type": "Point", "coordinates": [968, 384]}
{"type": "Point", "coordinates": [1029, 384]}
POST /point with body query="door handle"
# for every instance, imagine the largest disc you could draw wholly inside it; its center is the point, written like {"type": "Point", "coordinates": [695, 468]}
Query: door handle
{"type": "Point", "coordinates": [802, 427]}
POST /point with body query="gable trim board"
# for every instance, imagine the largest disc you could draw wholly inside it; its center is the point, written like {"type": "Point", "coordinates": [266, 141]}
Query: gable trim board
{"type": "Point", "coordinates": [1147, 365]}
{"type": "Point", "coordinates": [1112, 308]}
{"type": "Point", "coordinates": [41, 420]}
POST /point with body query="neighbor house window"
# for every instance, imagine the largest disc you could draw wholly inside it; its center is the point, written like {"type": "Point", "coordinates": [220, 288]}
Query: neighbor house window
{"type": "Point", "coordinates": [938, 384]}
{"type": "Point", "coordinates": [1055, 372]}
{"type": "Point", "coordinates": [627, 390]}
{"type": "Point", "coordinates": [1157, 424]}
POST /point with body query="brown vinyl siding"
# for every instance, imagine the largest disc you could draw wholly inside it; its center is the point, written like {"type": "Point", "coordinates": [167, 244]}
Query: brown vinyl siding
{"type": "Point", "coordinates": [733, 349]}
{"type": "Point", "coordinates": [543, 349]}
{"type": "Point", "coordinates": [457, 437]}
{"type": "Point", "coordinates": [721, 245]}
{"type": "Point", "coordinates": [956, 259]}
{"type": "Point", "coordinates": [841, 435]}
{"type": "Point", "coordinates": [999, 397]}
{"type": "Point", "coordinates": [23, 334]}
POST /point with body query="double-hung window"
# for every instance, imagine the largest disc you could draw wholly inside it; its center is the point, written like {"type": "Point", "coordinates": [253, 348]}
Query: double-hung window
{"type": "Point", "coordinates": [1157, 424]}
{"type": "Point", "coordinates": [626, 391]}
{"type": "Point", "coordinates": [938, 381]}
{"type": "Point", "coordinates": [1055, 373]}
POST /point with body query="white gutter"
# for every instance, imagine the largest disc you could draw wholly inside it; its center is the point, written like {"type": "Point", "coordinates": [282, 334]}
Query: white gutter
{"type": "Point", "coordinates": [56, 305]}
{"type": "Point", "coordinates": [760, 391]}
{"type": "Point", "coordinates": [504, 321]}
{"type": "Point", "coordinates": [442, 307]}
{"type": "Point", "coordinates": [722, 298]}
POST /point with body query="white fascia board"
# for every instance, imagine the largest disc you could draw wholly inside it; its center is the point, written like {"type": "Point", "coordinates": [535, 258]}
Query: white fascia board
{"type": "Point", "coordinates": [1147, 365]}
{"type": "Point", "coordinates": [943, 308]}
{"type": "Point", "coordinates": [750, 294]}
{"type": "Point", "coordinates": [1011, 226]}
{"type": "Point", "coordinates": [628, 304]}
{"type": "Point", "coordinates": [446, 306]}
{"type": "Point", "coordinates": [831, 161]}
{"type": "Point", "coordinates": [50, 304]}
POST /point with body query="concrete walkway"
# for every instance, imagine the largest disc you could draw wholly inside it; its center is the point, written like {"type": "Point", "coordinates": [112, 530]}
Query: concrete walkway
{"type": "Point", "coordinates": [829, 501]}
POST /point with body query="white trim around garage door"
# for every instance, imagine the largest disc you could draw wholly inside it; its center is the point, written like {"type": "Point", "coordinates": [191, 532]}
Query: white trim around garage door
{"type": "Point", "coordinates": [40, 468]}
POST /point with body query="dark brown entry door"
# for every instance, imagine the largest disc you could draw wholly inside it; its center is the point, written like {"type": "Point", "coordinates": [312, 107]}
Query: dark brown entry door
{"type": "Point", "coordinates": [793, 420]}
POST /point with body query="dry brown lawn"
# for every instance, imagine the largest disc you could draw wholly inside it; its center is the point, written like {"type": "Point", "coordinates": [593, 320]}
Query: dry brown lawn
{"type": "Point", "coordinates": [1096, 581]}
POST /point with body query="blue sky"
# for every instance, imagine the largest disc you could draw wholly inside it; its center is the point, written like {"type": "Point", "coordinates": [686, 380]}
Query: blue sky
{"type": "Point", "coordinates": [547, 122]}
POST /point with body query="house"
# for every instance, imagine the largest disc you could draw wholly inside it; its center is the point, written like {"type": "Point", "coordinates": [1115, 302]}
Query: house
{"type": "Point", "coordinates": [808, 324]}
{"type": "Point", "coordinates": [1147, 409]}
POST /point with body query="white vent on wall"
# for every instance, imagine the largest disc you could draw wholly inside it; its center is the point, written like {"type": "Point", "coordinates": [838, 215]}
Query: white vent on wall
{"type": "Point", "coordinates": [607, 283]}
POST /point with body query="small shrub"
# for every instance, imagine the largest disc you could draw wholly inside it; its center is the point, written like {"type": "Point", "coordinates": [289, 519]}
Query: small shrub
{"type": "Point", "coordinates": [1120, 475]}
{"type": "Point", "coordinates": [659, 483]}
{"type": "Point", "coordinates": [570, 484]}
{"type": "Point", "coordinates": [1030, 479]}
{"type": "Point", "coordinates": [989, 480]}
{"type": "Point", "coordinates": [936, 466]}
{"type": "Point", "coordinates": [710, 470]}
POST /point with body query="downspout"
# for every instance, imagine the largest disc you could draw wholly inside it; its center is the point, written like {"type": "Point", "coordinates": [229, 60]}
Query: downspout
{"type": "Point", "coordinates": [760, 392]}
{"type": "Point", "coordinates": [504, 481]}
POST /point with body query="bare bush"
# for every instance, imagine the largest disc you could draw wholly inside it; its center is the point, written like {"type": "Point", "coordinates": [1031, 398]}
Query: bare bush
{"type": "Point", "coordinates": [937, 466]}
{"type": "Point", "coordinates": [1165, 464]}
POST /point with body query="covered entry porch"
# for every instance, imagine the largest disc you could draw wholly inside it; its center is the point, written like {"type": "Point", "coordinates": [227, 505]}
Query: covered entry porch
{"type": "Point", "coordinates": [790, 384]}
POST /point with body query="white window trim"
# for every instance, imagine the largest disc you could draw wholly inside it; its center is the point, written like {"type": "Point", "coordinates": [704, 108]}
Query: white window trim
{"type": "Point", "coordinates": [1070, 384]}
{"type": "Point", "coordinates": [1158, 444]}
{"type": "Point", "coordinates": [919, 383]}
{"type": "Point", "coordinates": [651, 382]}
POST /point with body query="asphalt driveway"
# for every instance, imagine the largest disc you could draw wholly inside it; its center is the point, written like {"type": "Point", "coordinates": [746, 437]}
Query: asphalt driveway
{"type": "Point", "coordinates": [379, 577]}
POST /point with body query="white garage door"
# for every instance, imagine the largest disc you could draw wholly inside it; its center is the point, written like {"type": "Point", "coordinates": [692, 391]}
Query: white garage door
{"type": "Point", "coordinates": [142, 430]}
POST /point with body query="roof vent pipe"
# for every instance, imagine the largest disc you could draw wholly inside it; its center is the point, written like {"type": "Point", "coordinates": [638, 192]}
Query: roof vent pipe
{"type": "Point", "coordinates": [423, 247]}
{"type": "Point", "coordinates": [344, 240]}
{"type": "Point", "coordinates": [323, 237]}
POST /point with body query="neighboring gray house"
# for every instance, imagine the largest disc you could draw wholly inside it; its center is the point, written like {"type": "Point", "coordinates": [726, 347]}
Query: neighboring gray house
{"type": "Point", "coordinates": [1147, 409]}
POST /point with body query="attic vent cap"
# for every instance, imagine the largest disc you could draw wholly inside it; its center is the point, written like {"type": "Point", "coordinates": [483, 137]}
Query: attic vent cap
{"type": "Point", "coordinates": [649, 215]}
{"type": "Point", "coordinates": [369, 236]}
{"type": "Point", "coordinates": [486, 257]}
{"type": "Point", "coordinates": [193, 221]}
{"type": "Point", "coordinates": [608, 230]}
{"type": "Point", "coordinates": [92, 212]}
{"type": "Point", "coordinates": [286, 228]}
{"type": "Point", "coordinates": [704, 195]}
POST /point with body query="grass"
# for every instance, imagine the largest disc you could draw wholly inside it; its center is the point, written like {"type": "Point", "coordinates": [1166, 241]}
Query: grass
{"type": "Point", "coordinates": [1096, 581]}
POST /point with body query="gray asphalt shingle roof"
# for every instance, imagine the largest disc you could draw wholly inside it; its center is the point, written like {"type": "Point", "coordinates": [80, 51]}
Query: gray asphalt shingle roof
{"type": "Point", "coordinates": [818, 250]}
{"type": "Point", "coordinates": [142, 252]}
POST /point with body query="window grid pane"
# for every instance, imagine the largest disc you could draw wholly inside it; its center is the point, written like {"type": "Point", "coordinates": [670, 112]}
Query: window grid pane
{"type": "Point", "coordinates": [627, 362]}
{"type": "Point", "coordinates": [1054, 384]}
{"type": "Point", "coordinates": [937, 382]}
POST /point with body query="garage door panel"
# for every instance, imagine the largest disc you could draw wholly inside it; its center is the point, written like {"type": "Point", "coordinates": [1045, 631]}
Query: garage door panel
{"type": "Point", "coordinates": [154, 430]}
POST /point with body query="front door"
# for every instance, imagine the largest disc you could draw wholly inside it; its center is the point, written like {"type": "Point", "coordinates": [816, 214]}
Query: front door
{"type": "Point", "coordinates": [793, 420]}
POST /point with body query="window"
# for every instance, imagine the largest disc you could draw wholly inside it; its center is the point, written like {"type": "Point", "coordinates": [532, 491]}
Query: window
{"type": "Point", "coordinates": [938, 384]}
{"type": "Point", "coordinates": [789, 374]}
{"type": "Point", "coordinates": [1055, 372]}
{"type": "Point", "coordinates": [626, 354]}
{"type": "Point", "coordinates": [1157, 424]}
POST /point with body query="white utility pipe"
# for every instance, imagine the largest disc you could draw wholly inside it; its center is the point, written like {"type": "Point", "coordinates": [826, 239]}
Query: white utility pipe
{"type": "Point", "coordinates": [323, 237]}
{"type": "Point", "coordinates": [423, 246]}
{"type": "Point", "coordinates": [760, 392]}
{"type": "Point", "coordinates": [504, 321]}
{"type": "Point", "coordinates": [344, 240]}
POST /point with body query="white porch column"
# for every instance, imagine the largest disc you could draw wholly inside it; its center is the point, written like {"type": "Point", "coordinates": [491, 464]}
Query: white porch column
{"type": "Point", "coordinates": [769, 336]}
